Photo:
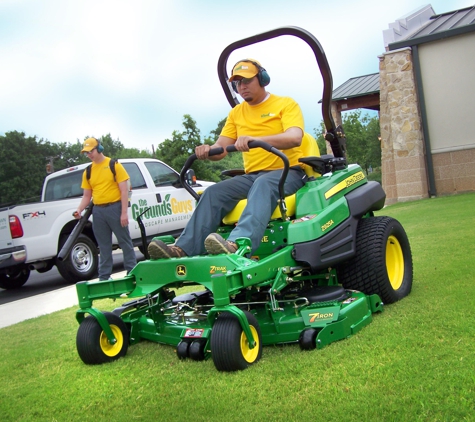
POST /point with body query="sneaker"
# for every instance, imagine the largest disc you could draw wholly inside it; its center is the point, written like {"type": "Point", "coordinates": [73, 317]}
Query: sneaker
{"type": "Point", "coordinates": [158, 249]}
{"type": "Point", "coordinates": [215, 244]}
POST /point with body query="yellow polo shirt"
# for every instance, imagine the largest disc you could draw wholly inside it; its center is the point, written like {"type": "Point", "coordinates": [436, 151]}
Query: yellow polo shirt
{"type": "Point", "coordinates": [104, 188]}
{"type": "Point", "coordinates": [271, 117]}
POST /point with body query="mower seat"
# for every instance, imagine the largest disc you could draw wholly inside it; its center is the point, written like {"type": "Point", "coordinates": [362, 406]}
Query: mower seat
{"type": "Point", "coordinates": [310, 149]}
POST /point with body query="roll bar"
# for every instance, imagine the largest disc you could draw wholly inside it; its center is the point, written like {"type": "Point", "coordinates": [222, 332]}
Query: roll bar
{"type": "Point", "coordinates": [335, 135]}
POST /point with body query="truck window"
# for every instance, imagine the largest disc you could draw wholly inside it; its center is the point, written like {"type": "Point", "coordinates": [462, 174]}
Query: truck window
{"type": "Point", "coordinates": [162, 175]}
{"type": "Point", "coordinates": [66, 186]}
{"type": "Point", "coordinates": [136, 178]}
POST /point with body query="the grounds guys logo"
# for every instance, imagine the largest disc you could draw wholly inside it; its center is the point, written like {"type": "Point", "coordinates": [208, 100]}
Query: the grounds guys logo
{"type": "Point", "coordinates": [167, 208]}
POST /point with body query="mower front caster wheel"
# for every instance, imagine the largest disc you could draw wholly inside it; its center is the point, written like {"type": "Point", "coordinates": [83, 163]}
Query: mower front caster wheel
{"type": "Point", "coordinates": [92, 344]}
{"type": "Point", "coordinates": [308, 339]}
{"type": "Point", "coordinates": [182, 349]}
{"type": "Point", "coordinates": [197, 350]}
{"type": "Point", "coordinates": [230, 348]}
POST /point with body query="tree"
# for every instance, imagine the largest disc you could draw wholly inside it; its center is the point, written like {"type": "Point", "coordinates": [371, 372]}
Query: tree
{"type": "Point", "coordinates": [320, 138]}
{"type": "Point", "coordinates": [362, 139]}
{"type": "Point", "coordinates": [231, 161]}
{"type": "Point", "coordinates": [26, 161]}
{"type": "Point", "coordinates": [175, 151]}
{"type": "Point", "coordinates": [23, 163]}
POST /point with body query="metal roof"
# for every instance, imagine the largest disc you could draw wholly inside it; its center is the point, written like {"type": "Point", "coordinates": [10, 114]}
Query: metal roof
{"type": "Point", "coordinates": [440, 26]}
{"type": "Point", "coordinates": [357, 87]}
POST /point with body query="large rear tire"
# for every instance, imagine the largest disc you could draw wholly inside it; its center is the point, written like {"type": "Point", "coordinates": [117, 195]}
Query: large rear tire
{"type": "Point", "coordinates": [230, 348]}
{"type": "Point", "coordinates": [92, 344]}
{"type": "Point", "coordinates": [383, 261]}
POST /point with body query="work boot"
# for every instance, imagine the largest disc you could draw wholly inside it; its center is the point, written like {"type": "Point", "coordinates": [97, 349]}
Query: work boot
{"type": "Point", "coordinates": [215, 244]}
{"type": "Point", "coordinates": [158, 249]}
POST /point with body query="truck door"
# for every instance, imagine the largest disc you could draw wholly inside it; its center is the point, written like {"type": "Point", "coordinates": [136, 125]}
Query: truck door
{"type": "Point", "coordinates": [170, 205]}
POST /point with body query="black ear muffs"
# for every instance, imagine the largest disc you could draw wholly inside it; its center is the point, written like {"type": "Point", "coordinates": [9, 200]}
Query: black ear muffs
{"type": "Point", "coordinates": [262, 75]}
{"type": "Point", "coordinates": [100, 147]}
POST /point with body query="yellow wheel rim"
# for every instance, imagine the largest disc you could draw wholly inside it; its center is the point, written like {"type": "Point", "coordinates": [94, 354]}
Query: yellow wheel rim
{"type": "Point", "coordinates": [394, 262]}
{"type": "Point", "coordinates": [109, 349]}
{"type": "Point", "coordinates": [250, 355]}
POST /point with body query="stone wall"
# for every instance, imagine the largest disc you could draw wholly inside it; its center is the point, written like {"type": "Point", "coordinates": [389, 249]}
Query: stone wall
{"type": "Point", "coordinates": [404, 174]}
{"type": "Point", "coordinates": [454, 172]}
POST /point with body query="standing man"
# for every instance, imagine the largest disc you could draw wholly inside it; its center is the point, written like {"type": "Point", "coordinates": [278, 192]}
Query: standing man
{"type": "Point", "coordinates": [262, 116]}
{"type": "Point", "coordinates": [108, 186]}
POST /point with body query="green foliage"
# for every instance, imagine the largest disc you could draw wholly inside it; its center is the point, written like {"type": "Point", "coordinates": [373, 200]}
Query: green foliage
{"type": "Point", "coordinates": [320, 138]}
{"type": "Point", "coordinates": [175, 151]}
{"type": "Point", "coordinates": [24, 160]}
{"type": "Point", "coordinates": [375, 175]}
{"type": "Point", "coordinates": [362, 139]}
{"type": "Point", "coordinates": [23, 166]}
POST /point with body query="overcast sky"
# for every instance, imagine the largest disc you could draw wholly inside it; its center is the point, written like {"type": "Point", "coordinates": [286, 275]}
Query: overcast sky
{"type": "Point", "coordinates": [69, 69]}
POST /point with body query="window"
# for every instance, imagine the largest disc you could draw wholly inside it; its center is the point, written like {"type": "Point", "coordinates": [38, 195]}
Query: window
{"type": "Point", "coordinates": [162, 175]}
{"type": "Point", "coordinates": [136, 178]}
{"type": "Point", "coordinates": [66, 186]}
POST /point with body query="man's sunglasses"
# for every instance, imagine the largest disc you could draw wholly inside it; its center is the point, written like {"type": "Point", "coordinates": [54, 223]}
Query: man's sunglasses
{"type": "Point", "coordinates": [245, 81]}
{"type": "Point", "coordinates": [86, 153]}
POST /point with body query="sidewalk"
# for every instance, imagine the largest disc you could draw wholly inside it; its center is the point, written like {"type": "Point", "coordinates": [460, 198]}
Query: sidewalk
{"type": "Point", "coordinates": [42, 304]}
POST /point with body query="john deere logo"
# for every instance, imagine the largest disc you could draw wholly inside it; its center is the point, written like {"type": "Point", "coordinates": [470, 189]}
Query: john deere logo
{"type": "Point", "coordinates": [181, 270]}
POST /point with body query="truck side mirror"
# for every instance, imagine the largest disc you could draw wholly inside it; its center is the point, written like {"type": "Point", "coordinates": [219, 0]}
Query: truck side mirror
{"type": "Point", "coordinates": [190, 177]}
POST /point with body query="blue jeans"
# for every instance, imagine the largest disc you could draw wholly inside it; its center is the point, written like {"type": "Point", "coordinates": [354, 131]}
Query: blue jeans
{"type": "Point", "coordinates": [262, 192]}
{"type": "Point", "coordinates": [105, 221]}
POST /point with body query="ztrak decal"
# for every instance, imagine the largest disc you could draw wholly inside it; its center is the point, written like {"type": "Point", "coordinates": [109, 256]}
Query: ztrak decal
{"type": "Point", "coordinates": [213, 269]}
{"type": "Point", "coordinates": [349, 181]}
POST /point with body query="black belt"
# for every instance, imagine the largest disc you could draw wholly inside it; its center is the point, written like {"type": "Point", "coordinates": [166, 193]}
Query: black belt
{"type": "Point", "coordinates": [106, 205]}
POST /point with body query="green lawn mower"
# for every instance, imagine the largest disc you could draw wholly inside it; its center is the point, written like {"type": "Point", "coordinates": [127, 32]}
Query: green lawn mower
{"type": "Point", "coordinates": [324, 266]}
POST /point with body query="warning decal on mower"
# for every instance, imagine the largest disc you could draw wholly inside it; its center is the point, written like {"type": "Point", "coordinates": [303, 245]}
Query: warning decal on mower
{"type": "Point", "coordinates": [349, 181]}
{"type": "Point", "coordinates": [194, 332]}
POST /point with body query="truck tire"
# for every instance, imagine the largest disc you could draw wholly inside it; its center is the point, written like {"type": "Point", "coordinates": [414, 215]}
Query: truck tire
{"type": "Point", "coordinates": [15, 278]}
{"type": "Point", "coordinates": [82, 262]}
{"type": "Point", "coordinates": [383, 261]}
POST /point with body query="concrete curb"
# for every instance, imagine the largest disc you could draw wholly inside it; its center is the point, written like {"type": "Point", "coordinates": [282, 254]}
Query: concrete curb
{"type": "Point", "coordinates": [42, 304]}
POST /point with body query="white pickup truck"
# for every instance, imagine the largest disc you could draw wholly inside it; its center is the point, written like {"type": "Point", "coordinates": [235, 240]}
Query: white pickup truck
{"type": "Point", "coordinates": [32, 235]}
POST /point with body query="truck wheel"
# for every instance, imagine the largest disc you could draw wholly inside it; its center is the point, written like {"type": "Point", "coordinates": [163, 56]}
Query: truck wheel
{"type": "Point", "coordinates": [92, 344]}
{"type": "Point", "coordinates": [229, 346]}
{"type": "Point", "coordinates": [81, 263]}
{"type": "Point", "coordinates": [383, 261]}
{"type": "Point", "coordinates": [14, 278]}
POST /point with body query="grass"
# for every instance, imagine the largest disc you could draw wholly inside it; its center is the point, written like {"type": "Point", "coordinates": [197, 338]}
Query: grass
{"type": "Point", "coordinates": [414, 362]}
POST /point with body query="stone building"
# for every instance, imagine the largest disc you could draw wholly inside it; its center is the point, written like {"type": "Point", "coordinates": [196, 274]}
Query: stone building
{"type": "Point", "coordinates": [426, 103]}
